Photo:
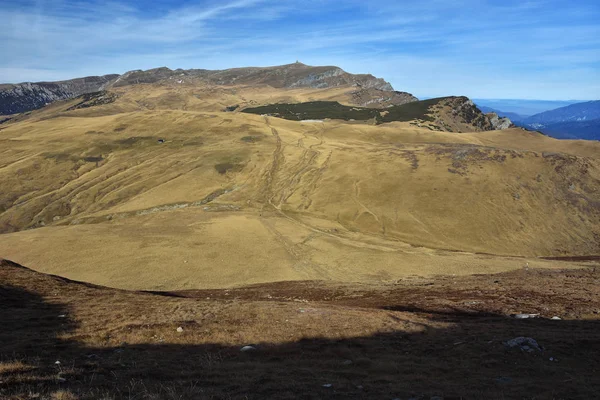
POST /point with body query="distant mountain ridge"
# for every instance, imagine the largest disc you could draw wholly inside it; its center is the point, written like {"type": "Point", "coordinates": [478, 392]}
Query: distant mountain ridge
{"type": "Point", "coordinates": [586, 111]}
{"type": "Point", "coordinates": [511, 115]}
{"type": "Point", "coordinates": [576, 121]}
{"type": "Point", "coordinates": [23, 97]}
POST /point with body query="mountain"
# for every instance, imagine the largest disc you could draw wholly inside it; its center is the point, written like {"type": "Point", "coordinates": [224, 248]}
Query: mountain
{"type": "Point", "coordinates": [522, 106]}
{"type": "Point", "coordinates": [573, 113]}
{"type": "Point", "coordinates": [576, 121]}
{"type": "Point", "coordinates": [22, 97]}
{"type": "Point", "coordinates": [514, 117]}
{"type": "Point", "coordinates": [588, 130]}
{"type": "Point", "coordinates": [367, 89]}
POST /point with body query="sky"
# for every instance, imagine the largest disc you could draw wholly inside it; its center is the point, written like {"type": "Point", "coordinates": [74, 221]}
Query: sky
{"type": "Point", "coordinates": [505, 49]}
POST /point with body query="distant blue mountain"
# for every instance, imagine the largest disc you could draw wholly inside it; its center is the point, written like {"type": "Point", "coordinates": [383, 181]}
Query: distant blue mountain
{"type": "Point", "coordinates": [576, 121]}
{"type": "Point", "coordinates": [523, 107]}
{"type": "Point", "coordinates": [514, 117]}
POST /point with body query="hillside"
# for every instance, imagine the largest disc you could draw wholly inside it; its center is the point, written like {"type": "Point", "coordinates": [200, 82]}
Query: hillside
{"type": "Point", "coordinates": [362, 89]}
{"type": "Point", "coordinates": [572, 113]}
{"type": "Point", "coordinates": [450, 114]}
{"type": "Point", "coordinates": [173, 180]}
{"type": "Point", "coordinates": [576, 121]}
{"type": "Point", "coordinates": [24, 97]}
{"type": "Point", "coordinates": [444, 337]}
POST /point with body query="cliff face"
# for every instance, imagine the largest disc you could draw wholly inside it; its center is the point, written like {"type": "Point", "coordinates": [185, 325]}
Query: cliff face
{"type": "Point", "coordinates": [24, 97]}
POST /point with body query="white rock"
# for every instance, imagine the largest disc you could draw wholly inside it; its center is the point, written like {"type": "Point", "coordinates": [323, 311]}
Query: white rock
{"type": "Point", "coordinates": [248, 348]}
{"type": "Point", "coordinates": [327, 385]}
{"type": "Point", "coordinates": [180, 329]}
{"type": "Point", "coordinates": [556, 318]}
{"type": "Point", "coordinates": [525, 316]}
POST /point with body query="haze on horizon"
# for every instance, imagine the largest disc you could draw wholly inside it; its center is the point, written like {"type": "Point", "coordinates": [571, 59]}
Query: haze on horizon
{"type": "Point", "coordinates": [546, 50]}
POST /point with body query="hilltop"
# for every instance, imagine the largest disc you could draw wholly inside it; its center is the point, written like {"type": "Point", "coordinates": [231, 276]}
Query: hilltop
{"type": "Point", "coordinates": [23, 97]}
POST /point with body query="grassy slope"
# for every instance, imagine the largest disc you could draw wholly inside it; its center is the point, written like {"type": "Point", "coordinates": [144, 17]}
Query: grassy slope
{"type": "Point", "coordinates": [327, 200]}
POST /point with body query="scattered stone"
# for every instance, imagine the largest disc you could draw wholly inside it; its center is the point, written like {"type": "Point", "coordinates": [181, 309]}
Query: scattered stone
{"type": "Point", "coordinates": [180, 329]}
{"type": "Point", "coordinates": [62, 316]}
{"type": "Point", "coordinates": [327, 385]}
{"type": "Point", "coordinates": [526, 344]}
{"type": "Point", "coordinates": [57, 363]}
{"type": "Point", "coordinates": [61, 380]}
{"type": "Point", "coordinates": [347, 362]}
{"type": "Point", "coordinates": [524, 316]}
{"type": "Point", "coordinates": [246, 349]}
{"type": "Point", "coordinates": [556, 318]}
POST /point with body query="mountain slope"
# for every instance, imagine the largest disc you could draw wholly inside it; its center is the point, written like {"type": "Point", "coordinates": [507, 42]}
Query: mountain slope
{"type": "Point", "coordinates": [576, 121]}
{"type": "Point", "coordinates": [62, 339]}
{"type": "Point", "coordinates": [573, 113]}
{"type": "Point", "coordinates": [450, 114]}
{"type": "Point", "coordinates": [364, 90]}
{"type": "Point", "coordinates": [160, 175]}
{"type": "Point", "coordinates": [24, 97]}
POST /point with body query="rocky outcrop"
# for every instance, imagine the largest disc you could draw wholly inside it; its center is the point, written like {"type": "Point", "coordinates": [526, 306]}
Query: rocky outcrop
{"type": "Point", "coordinates": [377, 98]}
{"type": "Point", "coordinates": [24, 97]}
{"type": "Point", "coordinates": [460, 114]}
{"type": "Point", "coordinates": [499, 123]}
{"type": "Point", "coordinates": [463, 109]}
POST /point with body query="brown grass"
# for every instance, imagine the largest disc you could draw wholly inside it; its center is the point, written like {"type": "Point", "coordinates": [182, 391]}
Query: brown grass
{"type": "Point", "coordinates": [419, 337]}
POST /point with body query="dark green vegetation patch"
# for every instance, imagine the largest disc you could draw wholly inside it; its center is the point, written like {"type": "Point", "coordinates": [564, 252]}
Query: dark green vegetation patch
{"type": "Point", "coordinates": [334, 110]}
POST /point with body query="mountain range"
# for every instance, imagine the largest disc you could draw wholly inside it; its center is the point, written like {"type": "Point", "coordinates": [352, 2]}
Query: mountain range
{"type": "Point", "coordinates": [575, 121]}
{"type": "Point", "coordinates": [23, 97]}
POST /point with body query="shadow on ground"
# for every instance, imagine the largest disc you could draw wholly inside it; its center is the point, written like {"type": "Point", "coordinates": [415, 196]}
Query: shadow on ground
{"type": "Point", "coordinates": [465, 360]}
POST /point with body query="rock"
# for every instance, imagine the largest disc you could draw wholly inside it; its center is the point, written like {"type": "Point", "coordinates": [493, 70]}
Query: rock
{"type": "Point", "coordinates": [246, 349]}
{"type": "Point", "coordinates": [61, 380]}
{"type": "Point", "coordinates": [327, 385]}
{"type": "Point", "coordinates": [556, 318]}
{"type": "Point", "coordinates": [525, 344]}
{"type": "Point", "coordinates": [524, 316]}
{"type": "Point", "coordinates": [180, 329]}
{"type": "Point", "coordinates": [57, 363]}
{"type": "Point", "coordinates": [347, 362]}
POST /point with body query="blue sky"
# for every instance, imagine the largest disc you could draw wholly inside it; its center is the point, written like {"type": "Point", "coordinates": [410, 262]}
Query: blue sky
{"type": "Point", "coordinates": [483, 49]}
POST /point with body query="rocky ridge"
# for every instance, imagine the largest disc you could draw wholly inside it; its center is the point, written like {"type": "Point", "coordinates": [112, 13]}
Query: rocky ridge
{"type": "Point", "coordinates": [23, 97]}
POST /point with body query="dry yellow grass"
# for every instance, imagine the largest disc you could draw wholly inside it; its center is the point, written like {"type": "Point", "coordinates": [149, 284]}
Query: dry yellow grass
{"type": "Point", "coordinates": [231, 199]}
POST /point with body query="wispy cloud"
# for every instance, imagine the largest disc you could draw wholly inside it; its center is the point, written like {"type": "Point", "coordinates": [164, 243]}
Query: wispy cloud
{"type": "Point", "coordinates": [481, 48]}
